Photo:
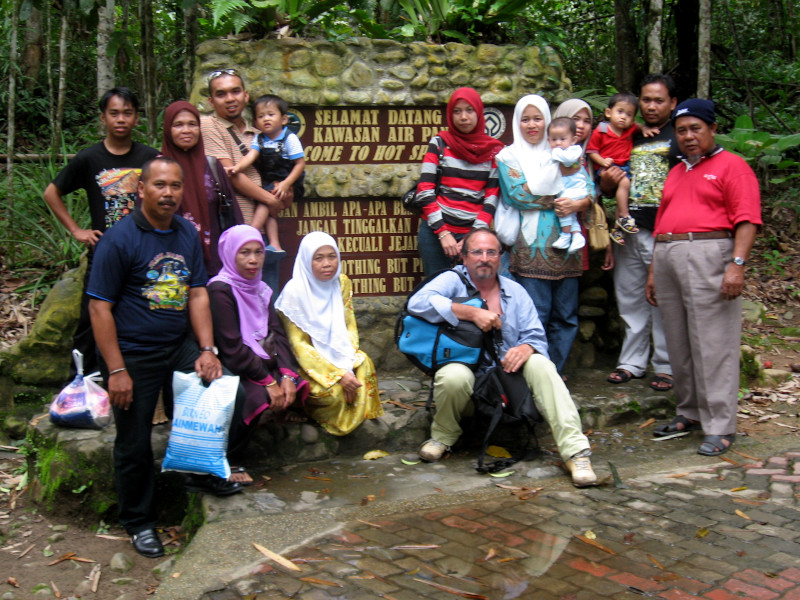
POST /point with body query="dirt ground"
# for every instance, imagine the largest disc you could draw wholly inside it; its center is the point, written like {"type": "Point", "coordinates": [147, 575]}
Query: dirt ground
{"type": "Point", "coordinates": [64, 549]}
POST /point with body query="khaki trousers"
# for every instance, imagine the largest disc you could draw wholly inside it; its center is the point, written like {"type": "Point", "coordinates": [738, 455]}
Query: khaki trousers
{"type": "Point", "coordinates": [452, 391]}
{"type": "Point", "coordinates": [703, 331]}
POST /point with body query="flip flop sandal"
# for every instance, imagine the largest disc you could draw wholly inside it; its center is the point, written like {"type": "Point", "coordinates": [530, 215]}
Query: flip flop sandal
{"type": "Point", "coordinates": [713, 444]}
{"type": "Point", "coordinates": [623, 376]}
{"type": "Point", "coordinates": [660, 379]}
{"type": "Point", "coordinates": [243, 478]}
{"type": "Point", "coordinates": [669, 436]}
{"type": "Point", "coordinates": [668, 429]}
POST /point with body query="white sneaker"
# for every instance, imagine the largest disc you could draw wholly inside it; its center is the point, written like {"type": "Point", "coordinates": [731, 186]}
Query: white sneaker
{"type": "Point", "coordinates": [432, 450]}
{"type": "Point", "coordinates": [562, 243]}
{"type": "Point", "coordinates": [581, 470]}
{"type": "Point", "coordinates": [578, 242]}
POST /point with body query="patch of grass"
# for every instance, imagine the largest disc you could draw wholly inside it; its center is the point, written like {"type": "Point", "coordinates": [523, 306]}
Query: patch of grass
{"type": "Point", "coordinates": [37, 246]}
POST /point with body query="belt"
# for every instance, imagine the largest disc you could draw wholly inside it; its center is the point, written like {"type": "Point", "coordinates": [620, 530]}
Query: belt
{"type": "Point", "coordinates": [700, 235]}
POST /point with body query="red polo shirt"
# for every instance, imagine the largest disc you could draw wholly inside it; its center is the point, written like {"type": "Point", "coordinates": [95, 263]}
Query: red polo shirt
{"type": "Point", "coordinates": [716, 194]}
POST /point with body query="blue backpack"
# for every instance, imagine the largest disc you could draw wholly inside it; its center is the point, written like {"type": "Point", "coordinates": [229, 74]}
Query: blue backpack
{"type": "Point", "coordinates": [430, 346]}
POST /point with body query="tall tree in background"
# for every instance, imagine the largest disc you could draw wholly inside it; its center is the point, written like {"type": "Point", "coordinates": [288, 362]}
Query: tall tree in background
{"type": "Point", "coordinates": [34, 48]}
{"type": "Point", "coordinates": [105, 29]}
{"type": "Point", "coordinates": [12, 99]}
{"type": "Point", "coordinates": [704, 50]}
{"type": "Point", "coordinates": [148, 67]}
{"type": "Point", "coordinates": [63, 38]}
{"type": "Point", "coordinates": [687, 15]}
{"type": "Point", "coordinates": [625, 38]}
{"type": "Point", "coordinates": [190, 11]}
{"type": "Point", "coordinates": [655, 19]}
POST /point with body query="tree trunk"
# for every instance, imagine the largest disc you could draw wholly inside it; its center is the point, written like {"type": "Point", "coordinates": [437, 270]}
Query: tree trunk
{"type": "Point", "coordinates": [190, 43]}
{"type": "Point", "coordinates": [32, 55]}
{"type": "Point", "coordinates": [655, 19]}
{"type": "Point", "coordinates": [704, 50]}
{"type": "Point", "coordinates": [62, 75]}
{"type": "Point", "coordinates": [11, 116]}
{"type": "Point", "coordinates": [148, 63]}
{"type": "Point", "coordinates": [625, 37]}
{"type": "Point", "coordinates": [105, 29]}
{"type": "Point", "coordinates": [792, 41]}
{"type": "Point", "coordinates": [48, 59]}
{"type": "Point", "coordinates": [687, 14]}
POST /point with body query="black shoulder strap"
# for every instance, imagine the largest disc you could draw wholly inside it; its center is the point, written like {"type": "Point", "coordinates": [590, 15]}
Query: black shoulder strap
{"type": "Point", "coordinates": [242, 147]}
{"type": "Point", "coordinates": [440, 144]}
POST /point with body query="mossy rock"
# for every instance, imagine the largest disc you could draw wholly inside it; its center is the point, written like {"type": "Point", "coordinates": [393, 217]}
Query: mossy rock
{"type": "Point", "coordinates": [751, 370]}
{"type": "Point", "coordinates": [71, 461]}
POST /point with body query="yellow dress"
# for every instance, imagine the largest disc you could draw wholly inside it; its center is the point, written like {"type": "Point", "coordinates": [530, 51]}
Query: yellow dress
{"type": "Point", "coordinates": [326, 403]}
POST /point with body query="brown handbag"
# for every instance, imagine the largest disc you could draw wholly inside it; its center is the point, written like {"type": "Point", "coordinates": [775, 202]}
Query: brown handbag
{"type": "Point", "coordinates": [597, 226]}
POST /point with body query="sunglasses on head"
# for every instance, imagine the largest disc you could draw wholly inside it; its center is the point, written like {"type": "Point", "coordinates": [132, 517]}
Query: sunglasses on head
{"type": "Point", "coordinates": [214, 74]}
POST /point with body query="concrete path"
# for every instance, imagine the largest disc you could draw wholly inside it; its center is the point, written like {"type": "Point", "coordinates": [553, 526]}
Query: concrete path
{"type": "Point", "coordinates": [672, 525]}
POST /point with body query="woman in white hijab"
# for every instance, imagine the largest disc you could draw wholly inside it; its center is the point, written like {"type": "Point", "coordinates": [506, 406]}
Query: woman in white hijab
{"type": "Point", "coordinates": [531, 182]}
{"type": "Point", "coordinates": [316, 309]}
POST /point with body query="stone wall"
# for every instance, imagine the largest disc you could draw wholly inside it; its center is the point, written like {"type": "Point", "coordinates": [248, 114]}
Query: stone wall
{"type": "Point", "coordinates": [365, 72]}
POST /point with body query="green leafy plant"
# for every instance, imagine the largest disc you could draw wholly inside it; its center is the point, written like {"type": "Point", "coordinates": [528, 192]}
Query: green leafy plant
{"type": "Point", "coordinates": [776, 261]}
{"type": "Point", "coordinates": [464, 20]}
{"type": "Point", "coordinates": [44, 249]}
{"type": "Point", "coordinates": [767, 153]}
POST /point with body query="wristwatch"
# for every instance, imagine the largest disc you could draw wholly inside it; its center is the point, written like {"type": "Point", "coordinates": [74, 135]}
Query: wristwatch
{"type": "Point", "coordinates": [738, 260]}
{"type": "Point", "coordinates": [212, 349]}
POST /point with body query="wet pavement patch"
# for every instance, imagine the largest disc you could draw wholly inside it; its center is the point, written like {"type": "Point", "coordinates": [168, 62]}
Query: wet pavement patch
{"type": "Point", "coordinates": [725, 530]}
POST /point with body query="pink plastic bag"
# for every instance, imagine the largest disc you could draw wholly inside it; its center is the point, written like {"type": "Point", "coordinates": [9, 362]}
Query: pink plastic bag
{"type": "Point", "coordinates": [82, 403]}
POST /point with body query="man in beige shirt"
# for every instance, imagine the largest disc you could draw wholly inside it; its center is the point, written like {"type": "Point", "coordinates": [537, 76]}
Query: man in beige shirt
{"type": "Point", "coordinates": [227, 136]}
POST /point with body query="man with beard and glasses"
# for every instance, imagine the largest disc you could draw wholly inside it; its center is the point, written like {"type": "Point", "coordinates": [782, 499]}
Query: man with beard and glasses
{"type": "Point", "coordinates": [523, 347]}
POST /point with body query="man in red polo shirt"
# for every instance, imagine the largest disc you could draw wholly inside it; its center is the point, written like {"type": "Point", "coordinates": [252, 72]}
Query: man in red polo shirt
{"type": "Point", "coordinates": [705, 228]}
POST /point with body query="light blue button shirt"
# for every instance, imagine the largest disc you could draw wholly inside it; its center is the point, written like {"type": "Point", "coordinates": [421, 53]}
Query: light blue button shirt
{"type": "Point", "coordinates": [520, 321]}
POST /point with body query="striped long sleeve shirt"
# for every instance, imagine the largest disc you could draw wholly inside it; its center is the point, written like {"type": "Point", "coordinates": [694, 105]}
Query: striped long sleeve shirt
{"type": "Point", "coordinates": [468, 193]}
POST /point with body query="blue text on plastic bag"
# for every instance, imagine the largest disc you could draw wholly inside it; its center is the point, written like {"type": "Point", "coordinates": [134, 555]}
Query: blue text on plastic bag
{"type": "Point", "coordinates": [201, 418]}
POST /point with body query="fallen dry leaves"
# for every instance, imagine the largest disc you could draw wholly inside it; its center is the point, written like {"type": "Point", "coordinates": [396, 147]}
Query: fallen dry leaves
{"type": "Point", "coordinates": [587, 540]}
{"type": "Point", "coordinates": [276, 557]}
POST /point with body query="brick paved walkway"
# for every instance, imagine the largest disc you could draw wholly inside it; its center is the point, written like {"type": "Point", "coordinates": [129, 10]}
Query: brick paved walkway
{"type": "Point", "coordinates": [730, 530]}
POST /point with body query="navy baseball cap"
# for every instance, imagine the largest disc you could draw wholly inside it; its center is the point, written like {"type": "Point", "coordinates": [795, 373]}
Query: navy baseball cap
{"type": "Point", "coordinates": [695, 107]}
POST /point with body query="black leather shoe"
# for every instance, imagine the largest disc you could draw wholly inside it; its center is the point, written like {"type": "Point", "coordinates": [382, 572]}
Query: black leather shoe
{"type": "Point", "coordinates": [147, 543]}
{"type": "Point", "coordinates": [212, 485]}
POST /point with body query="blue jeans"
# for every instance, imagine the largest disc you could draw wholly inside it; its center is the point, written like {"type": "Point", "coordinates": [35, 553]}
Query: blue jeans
{"type": "Point", "coordinates": [430, 250]}
{"type": "Point", "coordinates": [270, 272]}
{"type": "Point", "coordinates": [556, 301]}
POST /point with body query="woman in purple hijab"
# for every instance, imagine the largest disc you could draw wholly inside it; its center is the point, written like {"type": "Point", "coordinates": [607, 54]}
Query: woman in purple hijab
{"type": "Point", "coordinates": [248, 332]}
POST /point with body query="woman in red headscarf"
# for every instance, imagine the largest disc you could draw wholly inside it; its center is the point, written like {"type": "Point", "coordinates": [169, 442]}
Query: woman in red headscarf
{"type": "Point", "coordinates": [465, 194]}
{"type": "Point", "coordinates": [208, 202]}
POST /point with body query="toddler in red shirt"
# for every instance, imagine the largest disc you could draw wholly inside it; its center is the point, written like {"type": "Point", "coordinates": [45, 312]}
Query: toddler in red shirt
{"type": "Point", "coordinates": [611, 144]}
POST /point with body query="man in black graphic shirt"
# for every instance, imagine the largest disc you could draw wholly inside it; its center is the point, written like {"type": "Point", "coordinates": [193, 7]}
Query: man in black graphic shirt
{"type": "Point", "coordinates": [109, 172]}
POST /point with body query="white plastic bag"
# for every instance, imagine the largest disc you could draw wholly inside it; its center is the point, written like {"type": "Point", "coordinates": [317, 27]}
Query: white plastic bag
{"type": "Point", "coordinates": [82, 403]}
{"type": "Point", "coordinates": [201, 418]}
{"type": "Point", "coordinates": [506, 223]}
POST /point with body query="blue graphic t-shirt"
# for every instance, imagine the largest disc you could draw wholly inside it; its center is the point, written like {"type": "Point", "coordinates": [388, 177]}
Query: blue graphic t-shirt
{"type": "Point", "coordinates": [147, 273]}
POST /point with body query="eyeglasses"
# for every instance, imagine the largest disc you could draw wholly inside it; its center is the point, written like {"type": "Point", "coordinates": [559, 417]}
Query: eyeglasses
{"type": "Point", "coordinates": [479, 253]}
{"type": "Point", "coordinates": [214, 74]}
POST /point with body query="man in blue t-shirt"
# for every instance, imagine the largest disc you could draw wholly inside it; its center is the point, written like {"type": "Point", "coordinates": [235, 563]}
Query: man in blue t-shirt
{"type": "Point", "coordinates": [147, 292]}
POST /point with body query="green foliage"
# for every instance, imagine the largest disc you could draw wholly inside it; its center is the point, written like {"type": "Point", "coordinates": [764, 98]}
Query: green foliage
{"type": "Point", "coordinates": [43, 248]}
{"type": "Point", "coordinates": [267, 15]}
{"type": "Point", "coordinates": [767, 153]}
{"type": "Point", "coordinates": [466, 21]}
